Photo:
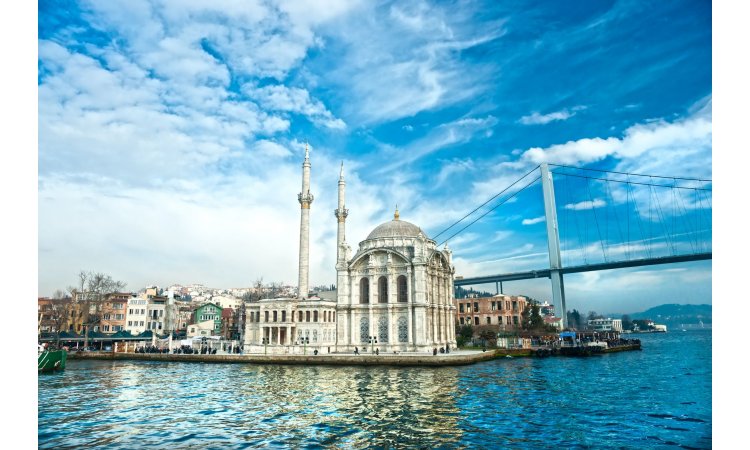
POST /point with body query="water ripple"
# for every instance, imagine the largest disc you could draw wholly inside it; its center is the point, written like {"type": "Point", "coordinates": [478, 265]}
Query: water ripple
{"type": "Point", "coordinates": [625, 400]}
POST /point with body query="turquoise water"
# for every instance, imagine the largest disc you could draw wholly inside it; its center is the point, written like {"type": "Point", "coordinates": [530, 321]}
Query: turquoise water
{"type": "Point", "coordinates": [659, 397]}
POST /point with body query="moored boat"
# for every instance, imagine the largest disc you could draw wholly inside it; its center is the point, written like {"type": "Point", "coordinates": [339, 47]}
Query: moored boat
{"type": "Point", "coordinates": [50, 360]}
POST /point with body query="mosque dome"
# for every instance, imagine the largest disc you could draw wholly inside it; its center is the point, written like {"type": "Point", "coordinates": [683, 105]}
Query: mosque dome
{"type": "Point", "coordinates": [395, 228]}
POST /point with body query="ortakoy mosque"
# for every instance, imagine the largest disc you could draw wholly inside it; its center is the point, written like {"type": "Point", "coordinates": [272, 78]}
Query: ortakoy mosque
{"type": "Point", "coordinates": [394, 294]}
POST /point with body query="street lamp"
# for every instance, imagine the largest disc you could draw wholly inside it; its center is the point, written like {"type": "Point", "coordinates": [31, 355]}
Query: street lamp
{"type": "Point", "coordinates": [304, 341]}
{"type": "Point", "coordinates": [373, 340]}
{"type": "Point", "coordinates": [265, 345]}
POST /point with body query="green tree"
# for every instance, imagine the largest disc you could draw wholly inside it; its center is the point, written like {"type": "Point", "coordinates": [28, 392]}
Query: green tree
{"type": "Point", "coordinates": [463, 334]}
{"type": "Point", "coordinates": [531, 318]}
{"type": "Point", "coordinates": [574, 319]}
{"type": "Point", "coordinates": [627, 322]}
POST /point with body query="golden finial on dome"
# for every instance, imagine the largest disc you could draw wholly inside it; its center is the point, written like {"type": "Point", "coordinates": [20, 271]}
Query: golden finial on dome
{"type": "Point", "coordinates": [395, 214]}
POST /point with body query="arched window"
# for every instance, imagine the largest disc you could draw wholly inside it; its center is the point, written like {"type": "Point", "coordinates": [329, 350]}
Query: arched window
{"type": "Point", "coordinates": [401, 285]}
{"type": "Point", "coordinates": [334, 316]}
{"type": "Point", "coordinates": [382, 290]}
{"type": "Point", "coordinates": [383, 329]}
{"type": "Point", "coordinates": [364, 330]}
{"type": "Point", "coordinates": [364, 290]}
{"type": "Point", "coordinates": [283, 316]}
{"type": "Point", "coordinates": [315, 316]}
{"type": "Point", "coordinates": [403, 331]}
{"type": "Point", "coordinates": [299, 317]}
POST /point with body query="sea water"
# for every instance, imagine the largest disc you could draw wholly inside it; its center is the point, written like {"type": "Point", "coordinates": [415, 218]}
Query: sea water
{"type": "Point", "coordinates": [659, 397]}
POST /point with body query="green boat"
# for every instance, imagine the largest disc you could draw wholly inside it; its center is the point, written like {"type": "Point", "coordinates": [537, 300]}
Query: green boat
{"type": "Point", "coordinates": [51, 360]}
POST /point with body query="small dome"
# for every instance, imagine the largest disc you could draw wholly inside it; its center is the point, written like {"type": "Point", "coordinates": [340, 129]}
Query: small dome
{"type": "Point", "coordinates": [395, 228]}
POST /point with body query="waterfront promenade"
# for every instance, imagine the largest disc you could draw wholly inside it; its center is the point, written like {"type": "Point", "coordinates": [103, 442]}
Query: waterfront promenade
{"type": "Point", "coordinates": [404, 359]}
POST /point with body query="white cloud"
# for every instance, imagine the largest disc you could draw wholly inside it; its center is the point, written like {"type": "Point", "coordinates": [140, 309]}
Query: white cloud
{"type": "Point", "coordinates": [540, 119]}
{"type": "Point", "coordinates": [658, 143]}
{"type": "Point", "coordinates": [588, 204]}
{"type": "Point", "coordinates": [294, 100]}
{"type": "Point", "coordinates": [533, 221]}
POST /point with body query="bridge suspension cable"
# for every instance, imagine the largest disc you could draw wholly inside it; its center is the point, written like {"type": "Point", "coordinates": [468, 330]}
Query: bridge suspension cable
{"type": "Point", "coordinates": [631, 173]}
{"type": "Point", "coordinates": [494, 207]}
{"type": "Point", "coordinates": [478, 207]}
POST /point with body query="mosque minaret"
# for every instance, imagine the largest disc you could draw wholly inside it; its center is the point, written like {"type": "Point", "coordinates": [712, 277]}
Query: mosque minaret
{"type": "Point", "coordinates": [341, 212]}
{"type": "Point", "coordinates": [305, 200]}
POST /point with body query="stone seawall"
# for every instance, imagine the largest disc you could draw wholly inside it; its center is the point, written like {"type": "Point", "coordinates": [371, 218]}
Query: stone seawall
{"type": "Point", "coordinates": [453, 359]}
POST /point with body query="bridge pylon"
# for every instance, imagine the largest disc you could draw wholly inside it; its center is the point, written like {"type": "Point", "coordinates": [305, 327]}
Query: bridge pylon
{"type": "Point", "coordinates": [553, 243]}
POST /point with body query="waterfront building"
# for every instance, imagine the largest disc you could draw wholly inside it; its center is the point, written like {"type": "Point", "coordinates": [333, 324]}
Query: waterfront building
{"type": "Point", "coordinates": [394, 294]}
{"type": "Point", "coordinates": [53, 314]}
{"type": "Point", "coordinates": [229, 323]}
{"type": "Point", "coordinates": [183, 315]}
{"type": "Point", "coordinates": [155, 313]}
{"type": "Point", "coordinates": [208, 311]}
{"type": "Point", "coordinates": [605, 324]}
{"type": "Point", "coordinates": [553, 321]}
{"type": "Point", "coordinates": [503, 312]}
{"type": "Point", "coordinates": [205, 328]}
{"type": "Point", "coordinates": [136, 317]}
{"type": "Point", "coordinates": [113, 312]}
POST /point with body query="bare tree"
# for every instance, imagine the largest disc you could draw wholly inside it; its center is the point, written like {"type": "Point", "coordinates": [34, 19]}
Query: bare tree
{"type": "Point", "coordinates": [91, 291]}
{"type": "Point", "coordinates": [59, 313]}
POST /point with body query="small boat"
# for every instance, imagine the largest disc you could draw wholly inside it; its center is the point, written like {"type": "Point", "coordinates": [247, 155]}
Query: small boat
{"type": "Point", "coordinates": [50, 360]}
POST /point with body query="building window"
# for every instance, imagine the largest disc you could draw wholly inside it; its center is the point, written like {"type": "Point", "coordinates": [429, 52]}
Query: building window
{"type": "Point", "coordinates": [307, 316]}
{"type": "Point", "coordinates": [283, 316]}
{"type": "Point", "coordinates": [364, 290]}
{"type": "Point", "coordinates": [382, 290]}
{"type": "Point", "coordinates": [364, 330]}
{"type": "Point", "coordinates": [515, 320]}
{"type": "Point", "coordinates": [130, 323]}
{"type": "Point", "coordinates": [275, 316]}
{"type": "Point", "coordinates": [489, 320]}
{"type": "Point", "coordinates": [507, 320]}
{"type": "Point", "coordinates": [507, 306]}
{"type": "Point", "coordinates": [476, 321]}
{"type": "Point", "coordinates": [300, 316]}
{"type": "Point", "coordinates": [461, 308]}
{"type": "Point", "coordinates": [382, 329]}
{"type": "Point", "coordinates": [461, 320]}
{"type": "Point", "coordinates": [266, 316]}
{"type": "Point", "coordinates": [476, 307]}
{"type": "Point", "coordinates": [315, 316]}
{"type": "Point", "coordinates": [334, 316]}
{"type": "Point", "coordinates": [141, 323]}
{"type": "Point", "coordinates": [493, 306]}
{"type": "Point", "coordinates": [401, 288]}
{"type": "Point", "coordinates": [403, 330]}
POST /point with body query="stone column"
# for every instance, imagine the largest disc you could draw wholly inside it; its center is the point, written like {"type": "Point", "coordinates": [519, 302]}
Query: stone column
{"type": "Point", "coordinates": [370, 280]}
{"type": "Point", "coordinates": [409, 309]}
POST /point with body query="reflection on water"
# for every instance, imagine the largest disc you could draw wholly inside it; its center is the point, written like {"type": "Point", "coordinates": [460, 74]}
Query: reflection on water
{"type": "Point", "coordinates": [621, 400]}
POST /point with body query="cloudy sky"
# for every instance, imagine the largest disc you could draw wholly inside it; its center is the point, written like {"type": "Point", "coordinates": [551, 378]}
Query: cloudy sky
{"type": "Point", "coordinates": [171, 136]}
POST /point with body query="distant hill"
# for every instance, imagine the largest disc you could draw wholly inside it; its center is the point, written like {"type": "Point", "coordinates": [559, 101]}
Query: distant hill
{"type": "Point", "coordinates": [674, 315]}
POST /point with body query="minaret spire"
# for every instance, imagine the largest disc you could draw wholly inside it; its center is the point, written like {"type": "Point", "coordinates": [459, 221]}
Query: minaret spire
{"type": "Point", "coordinates": [305, 199]}
{"type": "Point", "coordinates": [341, 212]}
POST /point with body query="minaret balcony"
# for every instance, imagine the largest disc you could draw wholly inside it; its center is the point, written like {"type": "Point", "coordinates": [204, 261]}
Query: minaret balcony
{"type": "Point", "coordinates": [305, 198]}
{"type": "Point", "coordinates": [341, 213]}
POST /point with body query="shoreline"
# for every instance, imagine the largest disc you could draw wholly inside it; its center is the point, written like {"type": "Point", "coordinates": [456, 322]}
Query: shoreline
{"type": "Point", "coordinates": [456, 358]}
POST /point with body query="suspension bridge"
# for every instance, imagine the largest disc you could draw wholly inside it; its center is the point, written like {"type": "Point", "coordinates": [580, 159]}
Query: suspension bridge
{"type": "Point", "coordinates": [610, 220]}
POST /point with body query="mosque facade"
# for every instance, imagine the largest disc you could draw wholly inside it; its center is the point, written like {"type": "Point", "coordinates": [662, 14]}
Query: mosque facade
{"type": "Point", "coordinates": [394, 294]}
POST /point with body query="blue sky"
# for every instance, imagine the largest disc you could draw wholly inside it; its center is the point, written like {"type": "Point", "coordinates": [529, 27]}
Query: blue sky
{"type": "Point", "coordinates": [171, 134]}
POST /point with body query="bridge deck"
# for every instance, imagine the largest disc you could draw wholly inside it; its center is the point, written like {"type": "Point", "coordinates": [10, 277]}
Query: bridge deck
{"type": "Point", "coordinates": [545, 273]}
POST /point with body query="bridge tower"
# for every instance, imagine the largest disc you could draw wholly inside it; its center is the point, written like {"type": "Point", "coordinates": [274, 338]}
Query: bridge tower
{"type": "Point", "coordinates": [553, 243]}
